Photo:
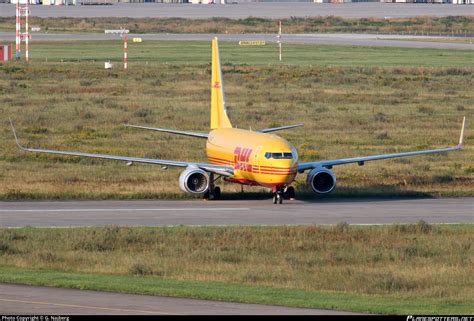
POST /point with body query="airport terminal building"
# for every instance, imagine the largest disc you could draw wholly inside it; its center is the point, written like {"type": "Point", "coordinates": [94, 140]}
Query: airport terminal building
{"type": "Point", "coordinates": [105, 2]}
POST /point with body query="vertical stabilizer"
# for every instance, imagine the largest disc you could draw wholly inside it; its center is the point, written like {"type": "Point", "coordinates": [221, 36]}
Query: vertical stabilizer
{"type": "Point", "coordinates": [219, 117]}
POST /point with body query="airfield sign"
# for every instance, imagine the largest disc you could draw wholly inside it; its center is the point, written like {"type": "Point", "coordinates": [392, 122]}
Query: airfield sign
{"type": "Point", "coordinates": [123, 33]}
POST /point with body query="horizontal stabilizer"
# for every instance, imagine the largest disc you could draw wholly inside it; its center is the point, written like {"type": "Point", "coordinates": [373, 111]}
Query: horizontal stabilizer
{"type": "Point", "coordinates": [173, 131]}
{"type": "Point", "coordinates": [268, 130]}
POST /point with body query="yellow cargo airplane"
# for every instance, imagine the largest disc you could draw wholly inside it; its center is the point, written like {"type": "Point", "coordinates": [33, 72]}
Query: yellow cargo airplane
{"type": "Point", "coordinates": [244, 156]}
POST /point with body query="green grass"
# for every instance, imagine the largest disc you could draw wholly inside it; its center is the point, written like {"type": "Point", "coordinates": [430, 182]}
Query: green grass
{"type": "Point", "coordinates": [219, 291]}
{"type": "Point", "coordinates": [451, 25]}
{"type": "Point", "coordinates": [398, 269]}
{"type": "Point", "coordinates": [354, 101]}
{"type": "Point", "coordinates": [155, 53]}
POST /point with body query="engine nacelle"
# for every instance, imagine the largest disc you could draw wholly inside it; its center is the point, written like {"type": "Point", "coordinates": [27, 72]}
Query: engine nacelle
{"type": "Point", "coordinates": [321, 180]}
{"type": "Point", "coordinates": [194, 180]}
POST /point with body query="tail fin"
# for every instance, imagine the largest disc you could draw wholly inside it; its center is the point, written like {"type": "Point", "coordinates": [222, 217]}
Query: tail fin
{"type": "Point", "coordinates": [219, 117]}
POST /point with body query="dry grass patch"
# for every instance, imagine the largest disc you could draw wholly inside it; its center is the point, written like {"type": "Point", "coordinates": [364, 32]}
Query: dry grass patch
{"type": "Point", "coordinates": [347, 111]}
{"type": "Point", "coordinates": [416, 260]}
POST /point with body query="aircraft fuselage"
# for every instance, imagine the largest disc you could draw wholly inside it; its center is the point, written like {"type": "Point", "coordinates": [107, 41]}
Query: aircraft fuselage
{"type": "Point", "coordinates": [257, 158]}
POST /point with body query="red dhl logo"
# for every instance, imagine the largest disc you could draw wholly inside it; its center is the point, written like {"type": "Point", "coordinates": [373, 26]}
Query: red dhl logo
{"type": "Point", "coordinates": [243, 167]}
{"type": "Point", "coordinates": [217, 85]}
{"type": "Point", "coordinates": [242, 154]}
{"type": "Point", "coordinates": [241, 159]}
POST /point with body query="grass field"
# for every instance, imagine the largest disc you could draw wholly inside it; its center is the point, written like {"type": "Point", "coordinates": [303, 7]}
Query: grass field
{"type": "Point", "coordinates": [157, 53]}
{"type": "Point", "coordinates": [451, 25]}
{"type": "Point", "coordinates": [402, 269]}
{"type": "Point", "coordinates": [354, 101]}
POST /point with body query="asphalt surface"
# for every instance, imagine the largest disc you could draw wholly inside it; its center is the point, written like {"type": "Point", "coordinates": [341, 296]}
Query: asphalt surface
{"type": "Point", "coordinates": [334, 39]}
{"type": "Point", "coordinates": [21, 299]}
{"type": "Point", "coordinates": [240, 212]}
{"type": "Point", "coordinates": [35, 300]}
{"type": "Point", "coordinates": [243, 10]}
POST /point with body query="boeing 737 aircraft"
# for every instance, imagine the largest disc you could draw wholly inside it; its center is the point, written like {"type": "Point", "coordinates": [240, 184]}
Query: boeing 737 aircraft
{"type": "Point", "coordinates": [246, 157]}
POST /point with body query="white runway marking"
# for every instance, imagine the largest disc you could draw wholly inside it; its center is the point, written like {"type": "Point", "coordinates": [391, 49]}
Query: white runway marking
{"type": "Point", "coordinates": [249, 212]}
{"type": "Point", "coordinates": [134, 209]}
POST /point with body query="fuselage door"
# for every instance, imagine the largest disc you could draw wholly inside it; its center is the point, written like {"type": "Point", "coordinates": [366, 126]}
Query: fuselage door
{"type": "Point", "coordinates": [256, 155]}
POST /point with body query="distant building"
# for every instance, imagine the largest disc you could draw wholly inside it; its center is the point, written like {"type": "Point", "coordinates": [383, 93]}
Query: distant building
{"type": "Point", "coordinates": [59, 2]}
{"type": "Point", "coordinates": [343, 1]}
{"type": "Point", "coordinates": [332, 1]}
{"type": "Point", "coordinates": [99, 2]}
{"type": "Point", "coordinates": [94, 2]}
{"type": "Point", "coordinates": [417, 1]}
{"type": "Point", "coordinates": [24, 1]}
{"type": "Point", "coordinates": [109, 2]}
{"type": "Point", "coordinates": [207, 1]}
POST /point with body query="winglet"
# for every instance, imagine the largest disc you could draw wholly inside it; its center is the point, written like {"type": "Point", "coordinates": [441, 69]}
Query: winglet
{"type": "Point", "coordinates": [14, 134]}
{"type": "Point", "coordinates": [461, 136]}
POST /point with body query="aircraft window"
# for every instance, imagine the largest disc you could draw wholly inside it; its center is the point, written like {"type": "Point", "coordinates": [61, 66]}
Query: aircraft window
{"type": "Point", "coordinates": [278, 155]}
{"type": "Point", "coordinates": [282, 155]}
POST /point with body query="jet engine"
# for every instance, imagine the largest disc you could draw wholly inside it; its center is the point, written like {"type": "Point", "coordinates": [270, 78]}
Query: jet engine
{"type": "Point", "coordinates": [321, 180]}
{"type": "Point", "coordinates": [194, 180]}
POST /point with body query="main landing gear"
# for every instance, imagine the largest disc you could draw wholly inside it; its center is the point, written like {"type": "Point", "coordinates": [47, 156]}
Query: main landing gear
{"type": "Point", "coordinates": [214, 192]}
{"type": "Point", "coordinates": [277, 197]}
{"type": "Point", "coordinates": [281, 192]}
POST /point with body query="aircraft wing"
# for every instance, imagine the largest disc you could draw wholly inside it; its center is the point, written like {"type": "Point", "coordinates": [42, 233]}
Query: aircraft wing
{"type": "Point", "coordinates": [173, 131]}
{"type": "Point", "coordinates": [268, 130]}
{"type": "Point", "coordinates": [217, 169]}
{"type": "Point", "coordinates": [361, 160]}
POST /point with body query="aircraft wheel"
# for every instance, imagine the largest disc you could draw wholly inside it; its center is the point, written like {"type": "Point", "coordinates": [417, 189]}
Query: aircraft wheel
{"type": "Point", "coordinates": [275, 198]}
{"type": "Point", "coordinates": [280, 199]}
{"type": "Point", "coordinates": [217, 192]}
{"type": "Point", "coordinates": [206, 195]}
{"type": "Point", "coordinates": [290, 193]}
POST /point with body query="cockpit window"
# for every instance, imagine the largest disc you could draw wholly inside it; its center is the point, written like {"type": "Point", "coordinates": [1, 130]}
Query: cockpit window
{"type": "Point", "coordinates": [278, 155]}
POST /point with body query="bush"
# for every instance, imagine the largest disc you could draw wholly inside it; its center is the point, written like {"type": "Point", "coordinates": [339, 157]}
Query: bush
{"type": "Point", "coordinates": [342, 227]}
{"type": "Point", "coordinates": [7, 248]}
{"type": "Point", "coordinates": [141, 269]}
{"type": "Point", "coordinates": [381, 117]}
{"type": "Point", "coordinates": [420, 227]}
{"type": "Point", "coordinates": [143, 113]}
{"type": "Point", "coordinates": [442, 178]}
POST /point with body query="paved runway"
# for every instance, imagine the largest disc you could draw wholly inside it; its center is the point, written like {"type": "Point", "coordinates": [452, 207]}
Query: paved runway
{"type": "Point", "coordinates": [242, 212]}
{"type": "Point", "coordinates": [243, 10]}
{"type": "Point", "coordinates": [334, 39]}
{"type": "Point", "coordinates": [35, 300]}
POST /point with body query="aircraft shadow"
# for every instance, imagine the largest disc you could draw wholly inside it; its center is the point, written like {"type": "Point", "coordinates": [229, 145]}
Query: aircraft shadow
{"type": "Point", "coordinates": [341, 194]}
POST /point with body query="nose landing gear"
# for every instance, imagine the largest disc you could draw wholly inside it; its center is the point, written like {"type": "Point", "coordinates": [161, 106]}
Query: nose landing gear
{"type": "Point", "coordinates": [277, 198]}
{"type": "Point", "coordinates": [278, 194]}
{"type": "Point", "coordinates": [281, 192]}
